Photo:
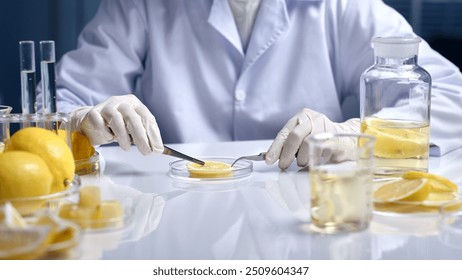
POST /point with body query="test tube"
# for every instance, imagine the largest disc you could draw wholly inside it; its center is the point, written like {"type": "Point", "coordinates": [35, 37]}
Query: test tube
{"type": "Point", "coordinates": [47, 67]}
{"type": "Point", "coordinates": [27, 65]}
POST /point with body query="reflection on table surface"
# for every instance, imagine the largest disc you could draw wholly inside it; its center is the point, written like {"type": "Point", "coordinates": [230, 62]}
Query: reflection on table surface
{"type": "Point", "coordinates": [264, 216]}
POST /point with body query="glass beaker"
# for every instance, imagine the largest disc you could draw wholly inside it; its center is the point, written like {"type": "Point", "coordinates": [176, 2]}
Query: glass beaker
{"type": "Point", "coordinates": [57, 122]}
{"type": "Point", "coordinates": [395, 106]}
{"type": "Point", "coordinates": [341, 181]}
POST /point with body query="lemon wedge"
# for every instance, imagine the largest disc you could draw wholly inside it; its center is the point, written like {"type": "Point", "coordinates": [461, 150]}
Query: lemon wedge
{"type": "Point", "coordinates": [90, 197]}
{"type": "Point", "coordinates": [211, 169]}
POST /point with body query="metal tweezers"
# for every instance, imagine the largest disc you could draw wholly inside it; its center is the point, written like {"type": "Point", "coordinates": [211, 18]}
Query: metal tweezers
{"type": "Point", "coordinates": [171, 152]}
{"type": "Point", "coordinates": [259, 157]}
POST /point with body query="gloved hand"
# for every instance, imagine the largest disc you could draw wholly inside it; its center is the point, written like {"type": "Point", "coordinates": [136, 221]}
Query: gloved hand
{"type": "Point", "coordinates": [292, 141]}
{"type": "Point", "coordinates": [120, 118]}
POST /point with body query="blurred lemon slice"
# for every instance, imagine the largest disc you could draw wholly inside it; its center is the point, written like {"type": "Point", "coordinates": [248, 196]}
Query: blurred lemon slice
{"type": "Point", "coordinates": [439, 198]}
{"type": "Point", "coordinates": [211, 169]}
{"type": "Point", "coordinates": [60, 231]}
{"type": "Point", "coordinates": [437, 182]}
{"type": "Point", "coordinates": [23, 243]}
{"type": "Point", "coordinates": [403, 190]}
{"type": "Point", "coordinates": [10, 217]}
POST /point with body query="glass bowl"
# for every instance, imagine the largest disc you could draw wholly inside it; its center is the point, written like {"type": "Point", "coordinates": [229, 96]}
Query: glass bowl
{"type": "Point", "coordinates": [29, 205]}
{"type": "Point", "coordinates": [33, 241]}
{"type": "Point", "coordinates": [243, 168]}
{"type": "Point", "coordinates": [62, 247]}
{"type": "Point", "coordinates": [89, 165]}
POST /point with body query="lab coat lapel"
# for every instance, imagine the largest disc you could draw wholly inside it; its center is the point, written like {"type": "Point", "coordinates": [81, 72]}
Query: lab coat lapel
{"type": "Point", "coordinates": [221, 18]}
{"type": "Point", "coordinates": [272, 20]}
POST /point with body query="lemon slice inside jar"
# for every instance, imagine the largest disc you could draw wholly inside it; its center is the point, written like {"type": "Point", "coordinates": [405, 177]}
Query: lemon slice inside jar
{"type": "Point", "coordinates": [211, 169]}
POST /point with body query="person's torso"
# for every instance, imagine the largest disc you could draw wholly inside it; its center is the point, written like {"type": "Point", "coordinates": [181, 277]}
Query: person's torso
{"type": "Point", "coordinates": [196, 72]}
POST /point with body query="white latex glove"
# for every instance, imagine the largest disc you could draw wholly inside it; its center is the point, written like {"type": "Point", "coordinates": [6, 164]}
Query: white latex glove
{"type": "Point", "coordinates": [292, 141]}
{"type": "Point", "coordinates": [120, 118]}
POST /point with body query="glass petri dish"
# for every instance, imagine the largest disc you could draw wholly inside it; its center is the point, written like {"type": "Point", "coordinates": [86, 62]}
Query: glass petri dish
{"type": "Point", "coordinates": [29, 205]}
{"type": "Point", "coordinates": [243, 168]}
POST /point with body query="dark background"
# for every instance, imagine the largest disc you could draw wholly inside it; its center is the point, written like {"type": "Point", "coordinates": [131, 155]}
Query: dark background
{"type": "Point", "coordinates": [437, 21]}
{"type": "Point", "coordinates": [37, 20]}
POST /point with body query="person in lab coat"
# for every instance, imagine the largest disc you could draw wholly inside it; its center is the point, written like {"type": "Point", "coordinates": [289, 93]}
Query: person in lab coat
{"type": "Point", "coordinates": [148, 72]}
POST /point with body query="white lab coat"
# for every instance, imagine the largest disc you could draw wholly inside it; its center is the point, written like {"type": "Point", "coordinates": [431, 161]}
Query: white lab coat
{"type": "Point", "coordinates": [184, 60]}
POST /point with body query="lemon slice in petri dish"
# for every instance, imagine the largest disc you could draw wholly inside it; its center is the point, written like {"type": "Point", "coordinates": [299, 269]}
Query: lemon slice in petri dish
{"type": "Point", "coordinates": [403, 190]}
{"type": "Point", "coordinates": [437, 182]}
{"type": "Point", "coordinates": [211, 169]}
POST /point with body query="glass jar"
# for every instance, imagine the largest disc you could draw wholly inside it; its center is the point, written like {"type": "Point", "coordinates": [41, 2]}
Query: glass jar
{"type": "Point", "coordinates": [395, 106]}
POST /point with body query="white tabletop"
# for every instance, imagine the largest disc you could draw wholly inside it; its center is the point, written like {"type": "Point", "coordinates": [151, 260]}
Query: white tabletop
{"type": "Point", "coordinates": [265, 216]}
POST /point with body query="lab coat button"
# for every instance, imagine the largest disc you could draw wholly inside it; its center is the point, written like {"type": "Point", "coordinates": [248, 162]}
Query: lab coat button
{"type": "Point", "coordinates": [240, 95]}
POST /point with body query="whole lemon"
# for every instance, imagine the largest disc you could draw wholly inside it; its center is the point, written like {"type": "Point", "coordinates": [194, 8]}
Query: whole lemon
{"type": "Point", "coordinates": [51, 148]}
{"type": "Point", "coordinates": [23, 174]}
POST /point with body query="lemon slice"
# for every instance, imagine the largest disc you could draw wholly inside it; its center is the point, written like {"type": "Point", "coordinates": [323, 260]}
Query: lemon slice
{"type": "Point", "coordinates": [437, 182]}
{"type": "Point", "coordinates": [211, 169]}
{"type": "Point", "coordinates": [395, 141]}
{"type": "Point", "coordinates": [404, 190]}
{"type": "Point", "coordinates": [62, 237]}
{"type": "Point", "coordinates": [439, 198]}
{"type": "Point", "coordinates": [23, 243]}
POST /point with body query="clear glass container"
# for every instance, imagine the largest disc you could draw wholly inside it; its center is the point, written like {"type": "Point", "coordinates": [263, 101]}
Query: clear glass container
{"type": "Point", "coordinates": [395, 106]}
